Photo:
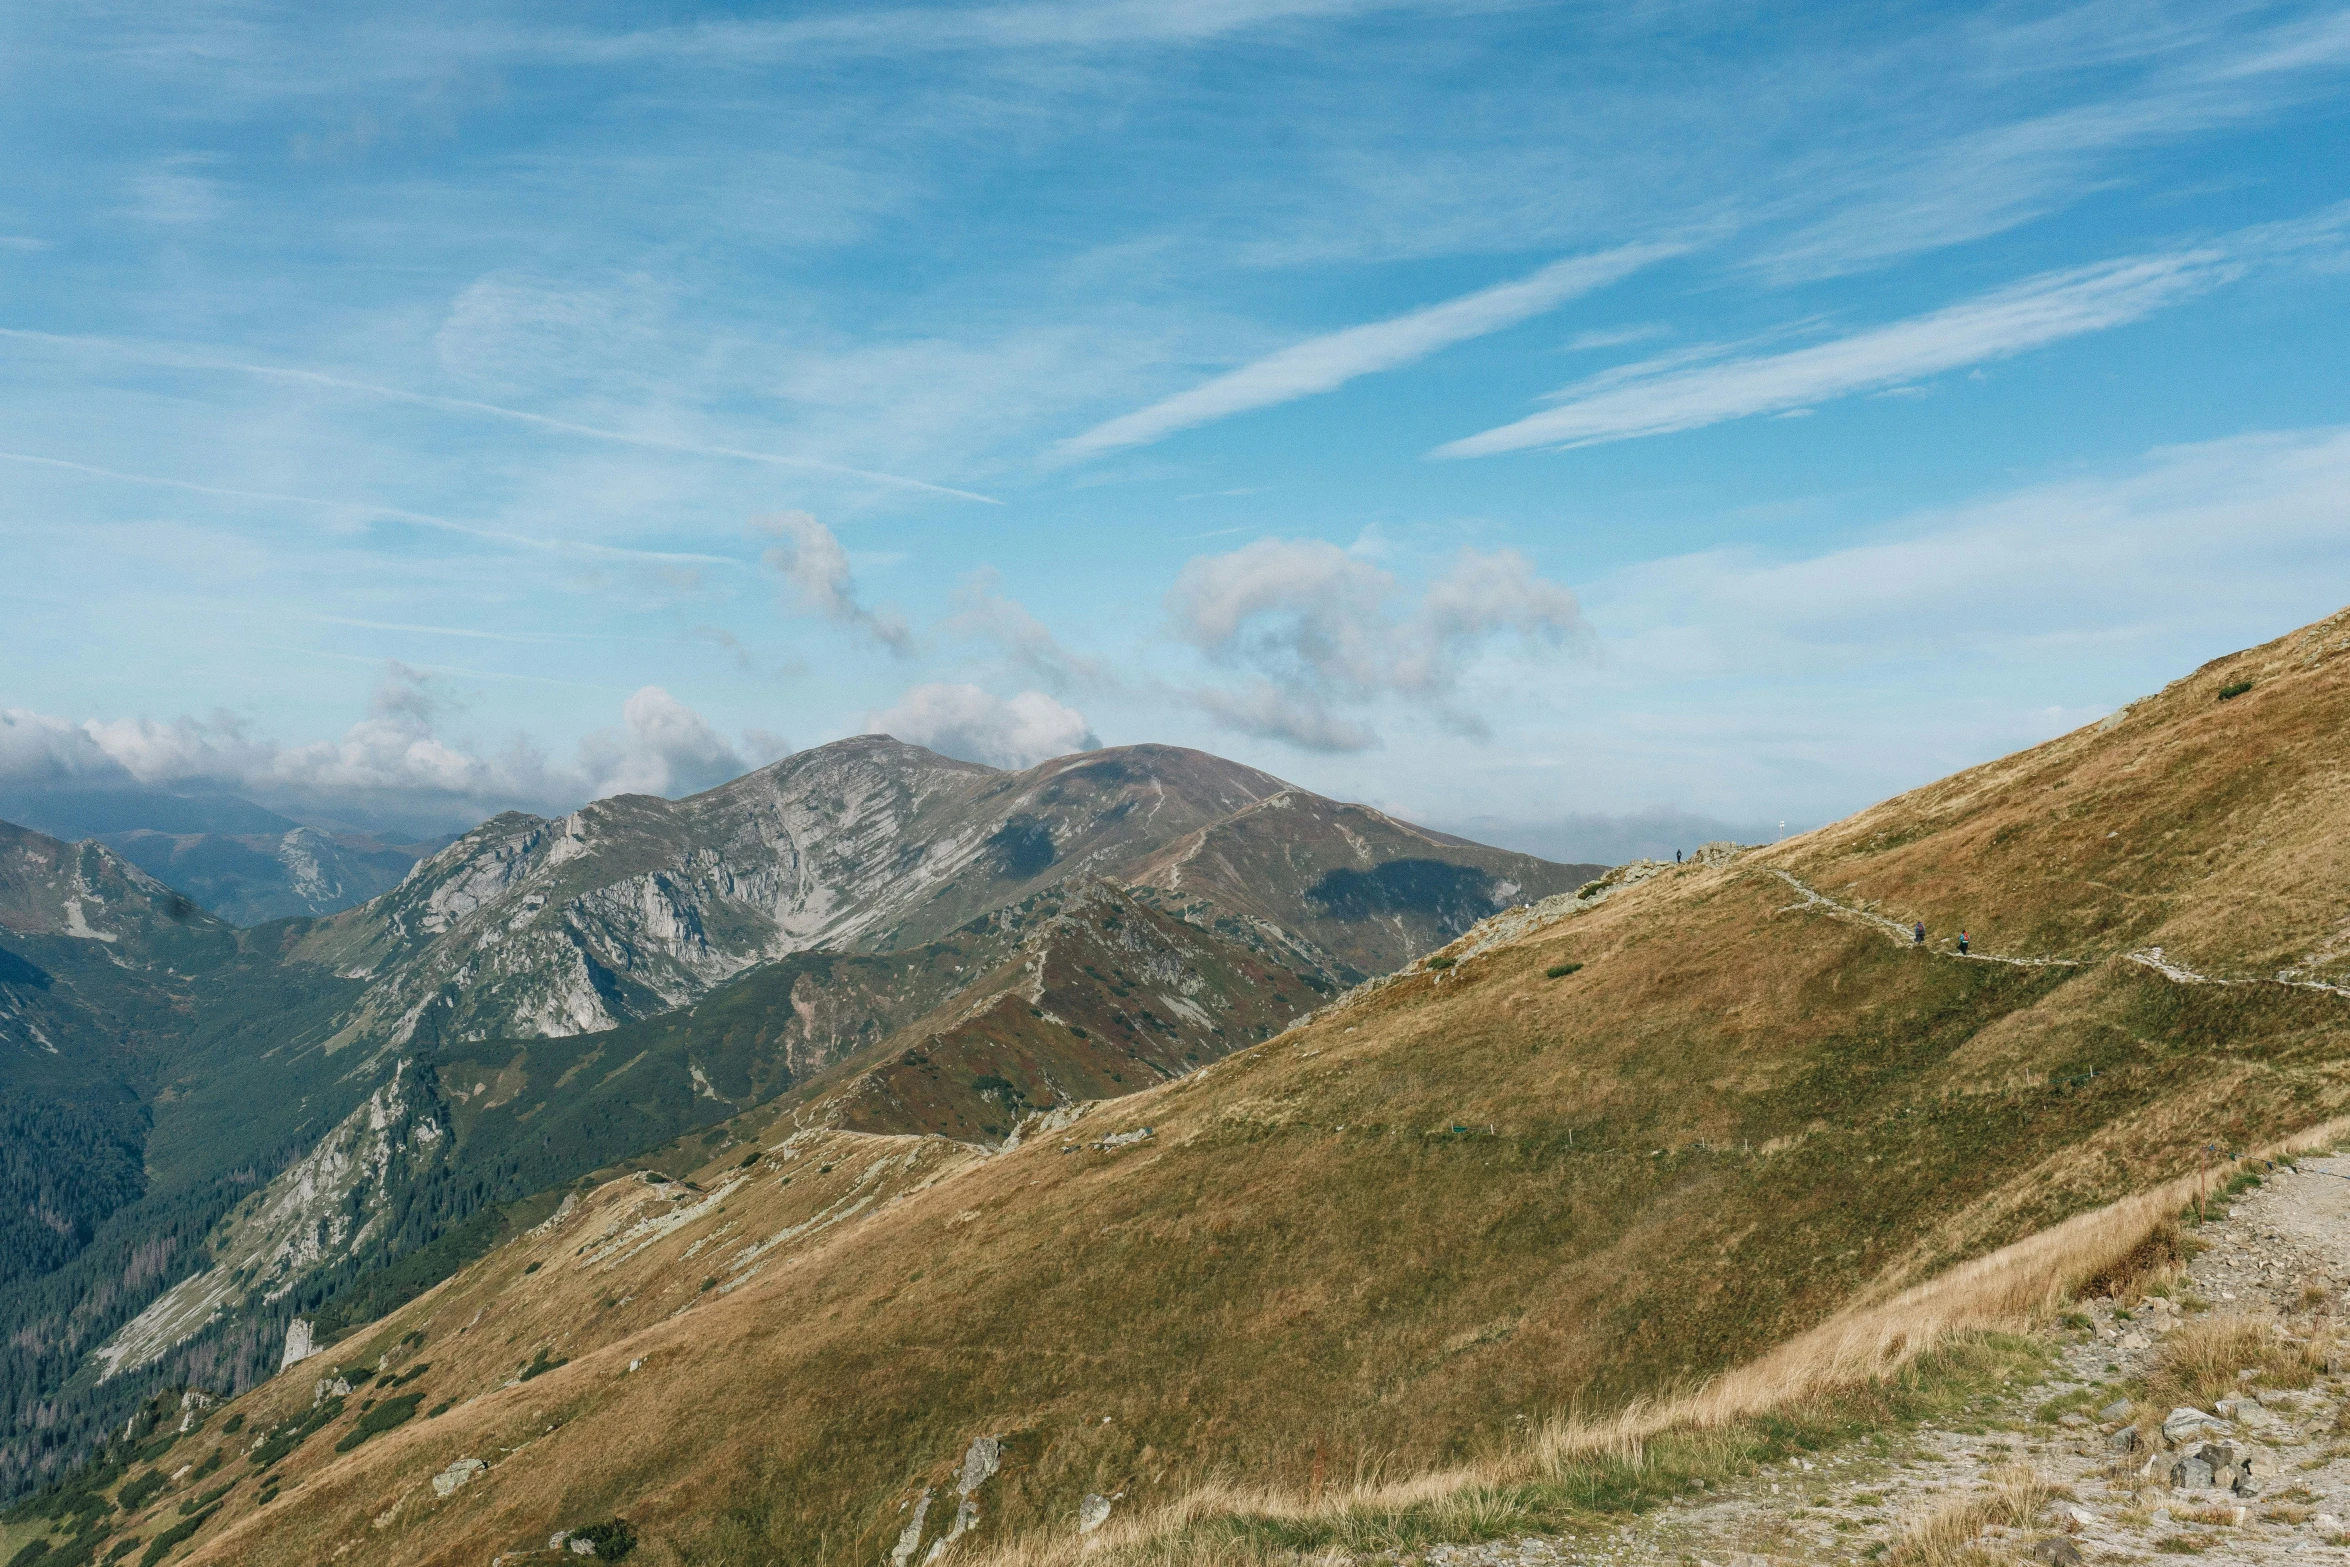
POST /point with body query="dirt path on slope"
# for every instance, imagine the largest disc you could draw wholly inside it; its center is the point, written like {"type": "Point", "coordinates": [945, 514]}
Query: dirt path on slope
{"type": "Point", "coordinates": [2281, 1252]}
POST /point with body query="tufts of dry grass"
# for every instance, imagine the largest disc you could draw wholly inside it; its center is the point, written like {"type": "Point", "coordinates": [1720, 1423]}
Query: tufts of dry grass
{"type": "Point", "coordinates": [1947, 1536]}
{"type": "Point", "coordinates": [2202, 1360]}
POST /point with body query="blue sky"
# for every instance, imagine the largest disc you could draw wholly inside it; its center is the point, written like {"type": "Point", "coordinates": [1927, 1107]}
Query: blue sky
{"type": "Point", "coordinates": [1530, 418]}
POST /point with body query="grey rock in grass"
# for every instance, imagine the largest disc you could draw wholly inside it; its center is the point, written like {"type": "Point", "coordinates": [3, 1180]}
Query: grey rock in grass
{"type": "Point", "coordinates": [2182, 1424]}
{"type": "Point", "coordinates": [459, 1472]}
{"type": "Point", "coordinates": [985, 1457]}
{"type": "Point", "coordinates": [2119, 1409]}
{"type": "Point", "coordinates": [2057, 1551]}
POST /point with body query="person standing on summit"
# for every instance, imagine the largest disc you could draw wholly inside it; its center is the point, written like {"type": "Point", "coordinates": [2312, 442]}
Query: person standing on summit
{"type": "Point", "coordinates": [1919, 935]}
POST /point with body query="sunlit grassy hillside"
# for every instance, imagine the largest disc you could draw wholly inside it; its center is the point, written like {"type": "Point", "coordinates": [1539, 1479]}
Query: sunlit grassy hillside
{"type": "Point", "coordinates": [1631, 1144]}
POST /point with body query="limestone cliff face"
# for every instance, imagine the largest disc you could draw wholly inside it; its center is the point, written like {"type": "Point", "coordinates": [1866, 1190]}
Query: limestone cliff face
{"type": "Point", "coordinates": [317, 1211]}
{"type": "Point", "coordinates": [633, 906]}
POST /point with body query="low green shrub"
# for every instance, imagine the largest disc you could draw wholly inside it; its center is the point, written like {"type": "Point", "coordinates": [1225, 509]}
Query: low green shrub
{"type": "Point", "coordinates": [1560, 970]}
{"type": "Point", "coordinates": [196, 1504]}
{"type": "Point", "coordinates": [613, 1538]}
{"type": "Point", "coordinates": [2234, 689]}
{"type": "Point", "coordinates": [383, 1417]}
{"type": "Point", "coordinates": [138, 1491]}
{"type": "Point", "coordinates": [161, 1546]}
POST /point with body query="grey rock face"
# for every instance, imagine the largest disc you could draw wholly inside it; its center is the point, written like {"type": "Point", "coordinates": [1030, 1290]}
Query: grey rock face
{"type": "Point", "coordinates": [635, 906]}
{"type": "Point", "coordinates": [2180, 1424]}
{"type": "Point", "coordinates": [980, 1464]}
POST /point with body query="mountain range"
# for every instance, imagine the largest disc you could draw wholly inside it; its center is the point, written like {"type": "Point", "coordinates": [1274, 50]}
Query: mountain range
{"type": "Point", "coordinates": [241, 861]}
{"type": "Point", "coordinates": [250, 1137]}
{"type": "Point", "coordinates": [1619, 1138]}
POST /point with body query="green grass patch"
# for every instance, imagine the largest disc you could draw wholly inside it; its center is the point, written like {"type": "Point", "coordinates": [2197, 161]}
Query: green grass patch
{"type": "Point", "coordinates": [196, 1504]}
{"type": "Point", "coordinates": [2234, 689]}
{"type": "Point", "coordinates": [1561, 970]}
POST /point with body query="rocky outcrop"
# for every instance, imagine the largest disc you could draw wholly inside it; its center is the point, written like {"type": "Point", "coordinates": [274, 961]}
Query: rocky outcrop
{"type": "Point", "coordinates": [317, 1211]}
{"type": "Point", "coordinates": [634, 906]}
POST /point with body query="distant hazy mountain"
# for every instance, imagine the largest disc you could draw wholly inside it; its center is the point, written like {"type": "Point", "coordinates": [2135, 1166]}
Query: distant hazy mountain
{"type": "Point", "coordinates": [239, 860]}
{"type": "Point", "coordinates": [249, 878]}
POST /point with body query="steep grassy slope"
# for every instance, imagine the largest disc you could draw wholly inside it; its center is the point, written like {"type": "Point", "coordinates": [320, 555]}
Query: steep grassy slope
{"type": "Point", "coordinates": [1103, 997]}
{"type": "Point", "coordinates": [1317, 881]}
{"type": "Point", "coordinates": [1608, 1147]}
{"type": "Point", "coordinates": [548, 998]}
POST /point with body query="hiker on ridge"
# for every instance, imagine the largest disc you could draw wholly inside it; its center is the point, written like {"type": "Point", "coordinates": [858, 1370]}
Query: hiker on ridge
{"type": "Point", "coordinates": [1920, 933]}
{"type": "Point", "coordinates": [1962, 943]}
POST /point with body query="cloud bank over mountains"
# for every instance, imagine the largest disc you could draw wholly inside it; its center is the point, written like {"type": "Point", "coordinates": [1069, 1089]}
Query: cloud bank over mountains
{"type": "Point", "coordinates": [1290, 640]}
{"type": "Point", "coordinates": [393, 770]}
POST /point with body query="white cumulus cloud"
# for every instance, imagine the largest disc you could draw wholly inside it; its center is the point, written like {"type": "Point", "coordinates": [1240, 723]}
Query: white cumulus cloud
{"type": "Point", "coordinates": [662, 747]}
{"type": "Point", "coordinates": [975, 725]}
{"type": "Point", "coordinates": [1311, 630]}
{"type": "Point", "coordinates": [394, 766]}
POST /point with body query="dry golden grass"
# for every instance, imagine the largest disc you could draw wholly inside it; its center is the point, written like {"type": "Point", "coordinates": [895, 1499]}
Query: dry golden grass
{"type": "Point", "coordinates": [2203, 1359]}
{"type": "Point", "coordinates": [1946, 1537]}
{"type": "Point", "coordinates": [1746, 1155]}
{"type": "Point", "coordinates": [2013, 1288]}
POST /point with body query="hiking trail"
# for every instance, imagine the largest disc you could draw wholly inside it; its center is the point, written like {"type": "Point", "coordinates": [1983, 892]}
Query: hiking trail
{"type": "Point", "coordinates": [2281, 1252]}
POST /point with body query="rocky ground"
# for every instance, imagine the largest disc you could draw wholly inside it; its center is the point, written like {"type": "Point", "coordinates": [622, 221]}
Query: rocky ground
{"type": "Point", "coordinates": [2260, 1477]}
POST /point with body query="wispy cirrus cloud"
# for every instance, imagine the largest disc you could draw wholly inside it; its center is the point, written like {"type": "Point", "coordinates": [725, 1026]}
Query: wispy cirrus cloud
{"type": "Point", "coordinates": [1626, 404]}
{"type": "Point", "coordinates": [1320, 364]}
{"type": "Point", "coordinates": [182, 360]}
{"type": "Point", "coordinates": [2203, 72]}
{"type": "Point", "coordinates": [372, 509]}
{"type": "Point", "coordinates": [896, 31]}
